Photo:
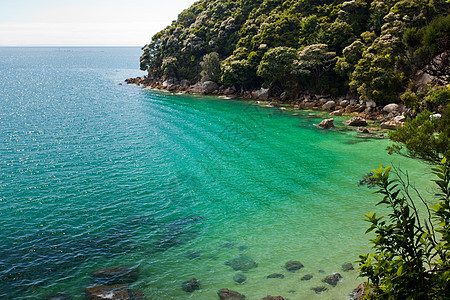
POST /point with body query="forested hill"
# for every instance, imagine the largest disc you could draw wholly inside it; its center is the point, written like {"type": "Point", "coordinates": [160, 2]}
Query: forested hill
{"type": "Point", "coordinates": [371, 48]}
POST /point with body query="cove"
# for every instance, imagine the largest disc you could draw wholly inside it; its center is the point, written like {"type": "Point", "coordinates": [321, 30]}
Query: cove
{"type": "Point", "coordinates": [97, 174]}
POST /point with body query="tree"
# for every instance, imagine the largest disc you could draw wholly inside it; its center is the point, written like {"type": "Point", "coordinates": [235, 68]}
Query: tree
{"type": "Point", "coordinates": [276, 67]}
{"type": "Point", "coordinates": [426, 137]}
{"type": "Point", "coordinates": [412, 256]}
{"type": "Point", "coordinates": [210, 67]}
{"type": "Point", "coordinates": [315, 60]}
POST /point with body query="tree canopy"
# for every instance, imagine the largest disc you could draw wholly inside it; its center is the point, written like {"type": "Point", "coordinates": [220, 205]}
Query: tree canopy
{"type": "Point", "coordinates": [372, 48]}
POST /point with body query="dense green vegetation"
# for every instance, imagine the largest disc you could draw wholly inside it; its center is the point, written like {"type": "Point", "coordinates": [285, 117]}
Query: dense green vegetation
{"type": "Point", "coordinates": [412, 252]}
{"type": "Point", "coordinates": [372, 48]}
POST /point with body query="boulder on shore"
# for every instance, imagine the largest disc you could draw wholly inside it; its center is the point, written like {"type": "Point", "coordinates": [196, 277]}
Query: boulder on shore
{"type": "Point", "coordinates": [209, 87]}
{"type": "Point", "coordinates": [226, 294]}
{"type": "Point", "coordinates": [391, 108]}
{"type": "Point", "coordinates": [392, 124]}
{"type": "Point", "coordinates": [360, 292]}
{"type": "Point", "coordinates": [356, 121]}
{"type": "Point", "coordinates": [329, 105]}
{"type": "Point", "coordinates": [327, 123]}
{"type": "Point", "coordinates": [261, 94]}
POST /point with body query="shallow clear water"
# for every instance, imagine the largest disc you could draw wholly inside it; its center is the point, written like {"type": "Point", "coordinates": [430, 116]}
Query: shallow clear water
{"type": "Point", "coordinates": [95, 174]}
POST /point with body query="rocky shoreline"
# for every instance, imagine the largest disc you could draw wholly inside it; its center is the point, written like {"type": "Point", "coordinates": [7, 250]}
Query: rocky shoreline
{"type": "Point", "coordinates": [380, 118]}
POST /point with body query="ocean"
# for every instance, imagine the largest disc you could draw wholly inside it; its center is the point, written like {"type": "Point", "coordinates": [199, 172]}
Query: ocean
{"type": "Point", "coordinates": [96, 174]}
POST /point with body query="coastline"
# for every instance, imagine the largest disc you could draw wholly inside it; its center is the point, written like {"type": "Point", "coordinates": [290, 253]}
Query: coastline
{"type": "Point", "coordinates": [367, 117]}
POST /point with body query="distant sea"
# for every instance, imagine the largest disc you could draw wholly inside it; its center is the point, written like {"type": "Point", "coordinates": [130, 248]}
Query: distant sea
{"type": "Point", "coordinates": [96, 174]}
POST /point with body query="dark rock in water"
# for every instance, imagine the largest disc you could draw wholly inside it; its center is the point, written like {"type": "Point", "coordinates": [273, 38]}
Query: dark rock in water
{"type": "Point", "coordinates": [347, 267]}
{"type": "Point", "coordinates": [190, 285]}
{"type": "Point", "coordinates": [178, 232]}
{"type": "Point", "coordinates": [319, 289]}
{"type": "Point", "coordinates": [98, 292]}
{"type": "Point", "coordinates": [226, 294]}
{"type": "Point", "coordinates": [138, 295]}
{"type": "Point", "coordinates": [242, 248]}
{"type": "Point", "coordinates": [333, 279]}
{"type": "Point", "coordinates": [293, 265]}
{"type": "Point", "coordinates": [291, 291]}
{"type": "Point", "coordinates": [58, 296]}
{"type": "Point", "coordinates": [321, 271]}
{"type": "Point", "coordinates": [115, 275]}
{"type": "Point", "coordinates": [227, 245]}
{"type": "Point", "coordinates": [242, 263]}
{"type": "Point", "coordinates": [306, 277]}
{"type": "Point", "coordinates": [212, 257]}
{"type": "Point", "coordinates": [276, 275]}
{"type": "Point", "coordinates": [192, 254]}
{"type": "Point", "coordinates": [240, 278]}
{"type": "Point", "coordinates": [273, 298]}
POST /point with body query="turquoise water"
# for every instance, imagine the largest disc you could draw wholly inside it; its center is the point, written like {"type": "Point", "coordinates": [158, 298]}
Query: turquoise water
{"type": "Point", "coordinates": [96, 174]}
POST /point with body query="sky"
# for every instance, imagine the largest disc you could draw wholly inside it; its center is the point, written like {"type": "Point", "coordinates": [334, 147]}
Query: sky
{"type": "Point", "coordinates": [85, 22]}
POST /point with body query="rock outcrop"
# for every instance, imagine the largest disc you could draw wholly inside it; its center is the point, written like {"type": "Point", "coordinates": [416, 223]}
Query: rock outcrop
{"type": "Point", "coordinates": [327, 123]}
{"type": "Point", "coordinates": [356, 122]}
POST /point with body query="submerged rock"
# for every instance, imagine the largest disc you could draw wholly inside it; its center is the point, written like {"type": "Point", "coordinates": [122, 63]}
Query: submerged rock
{"type": "Point", "coordinates": [268, 297]}
{"type": "Point", "coordinates": [240, 278]}
{"type": "Point", "coordinates": [226, 294]}
{"type": "Point", "coordinates": [242, 263]}
{"type": "Point", "coordinates": [190, 285]}
{"type": "Point", "coordinates": [178, 232]}
{"type": "Point", "coordinates": [227, 245]}
{"type": "Point", "coordinates": [306, 277]}
{"type": "Point", "coordinates": [242, 248]}
{"type": "Point", "coordinates": [347, 267]}
{"type": "Point", "coordinates": [58, 296]}
{"type": "Point", "coordinates": [97, 292]}
{"type": "Point", "coordinates": [333, 279]}
{"type": "Point", "coordinates": [319, 289]}
{"type": "Point", "coordinates": [192, 254]}
{"type": "Point", "coordinates": [276, 275]}
{"type": "Point", "coordinates": [115, 275]}
{"type": "Point", "coordinates": [293, 265]}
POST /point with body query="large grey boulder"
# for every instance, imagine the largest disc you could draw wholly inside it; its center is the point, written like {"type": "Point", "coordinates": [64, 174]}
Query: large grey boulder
{"type": "Point", "coordinates": [391, 108]}
{"type": "Point", "coordinates": [261, 94]}
{"type": "Point", "coordinates": [209, 87]}
{"type": "Point", "coordinates": [329, 105]}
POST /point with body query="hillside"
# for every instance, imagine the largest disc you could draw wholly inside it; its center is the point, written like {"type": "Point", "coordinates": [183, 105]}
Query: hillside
{"type": "Point", "coordinates": [373, 49]}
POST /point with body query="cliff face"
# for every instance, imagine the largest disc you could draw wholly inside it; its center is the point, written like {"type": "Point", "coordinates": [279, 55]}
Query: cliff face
{"type": "Point", "coordinates": [370, 48]}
